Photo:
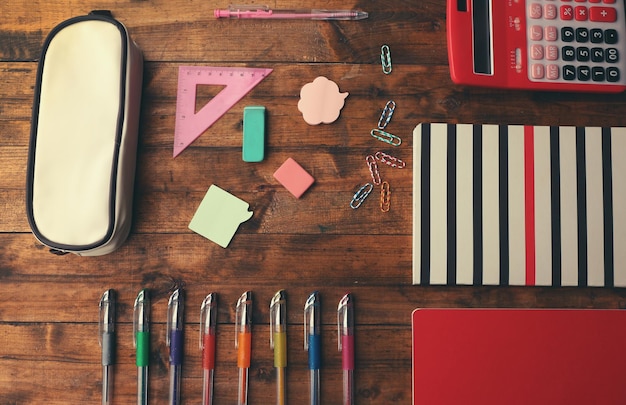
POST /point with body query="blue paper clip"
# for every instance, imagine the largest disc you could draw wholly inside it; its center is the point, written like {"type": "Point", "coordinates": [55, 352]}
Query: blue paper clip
{"type": "Point", "coordinates": [361, 195]}
{"type": "Point", "coordinates": [385, 59]}
{"type": "Point", "coordinates": [385, 116]}
{"type": "Point", "coordinates": [386, 137]}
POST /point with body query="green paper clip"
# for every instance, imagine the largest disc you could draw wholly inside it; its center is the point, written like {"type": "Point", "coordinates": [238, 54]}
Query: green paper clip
{"type": "Point", "coordinates": [386, 137]}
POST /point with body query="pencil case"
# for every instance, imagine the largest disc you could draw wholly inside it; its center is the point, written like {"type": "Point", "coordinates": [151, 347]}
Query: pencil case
{"type": "Point", "coordinates": [83, 140]}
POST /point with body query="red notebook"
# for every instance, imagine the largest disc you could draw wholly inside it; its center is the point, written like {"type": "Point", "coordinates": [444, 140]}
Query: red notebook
{"type": "Point", "coordinates": [519, 356]}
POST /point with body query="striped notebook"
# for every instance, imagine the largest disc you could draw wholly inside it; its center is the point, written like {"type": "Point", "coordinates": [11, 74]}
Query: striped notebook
{"type": "Point", "coordinates": [519, 205]}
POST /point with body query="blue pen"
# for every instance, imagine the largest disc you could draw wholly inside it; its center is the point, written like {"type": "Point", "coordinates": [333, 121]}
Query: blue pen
{"type": "Point", "coordinates": [313, 343]}
{"type": "Point", "coordinates": [174, 340]}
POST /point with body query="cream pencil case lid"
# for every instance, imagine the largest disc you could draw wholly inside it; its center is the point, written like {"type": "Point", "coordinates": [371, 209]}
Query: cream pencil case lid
{"type": "Point", "coordinates": [83, 142]}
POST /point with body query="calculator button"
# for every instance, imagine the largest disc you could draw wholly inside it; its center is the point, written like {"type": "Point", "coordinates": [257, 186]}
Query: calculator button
{"type": "Point", "coordinates": [552, 72]}
{"type": "Point", "coordinates": [536, 52]}
{"type": "Point", "coordinates": [569, 72]}
{"type": "Point", "coordinates": [602, 14]}
{"type": "Point", "coordinates": [568, 53]}
{"type": "Point", "coordinates": [567, 13]}
{"type": "Point", "coordinates": [581, 13]}
{"type": "Point", "coordinates": [596, 36]}
{"type": "Point", "coordinates": [552, 52]}
{"type": "Point", "coordinates": [550, 12]}
{"type": "Point", "coordinates": [597, 74]}
{"type": "Point", "coordinates": [594, 1]}
{"type": "Point", "coordinates": [582, 35]}
{"type": "Point", "coordinates": [534, 11]}
{"type": "Point", "coordinates": [610, 36]}
{"type": "Point", "coordinates": [582, 54]}
{"type": "Point", "coordinates": [612, 74]}
{"type": "Point", "coordinates": [583, 73]}
{"type": "Point", "coordinates": [567, 34]}
{"type": "Point", "coordinates": [597, 55]}
{"type": "Point", "coordinates": [536, 33]}
{"type": "Point", "coordinates": [611, 55]}
{"type": "Point", "coordinates": [551, 33]}
{"type": "Point", "coordinates": [608, 1]}
{"type": "Point", "coordinates": [537, 71]}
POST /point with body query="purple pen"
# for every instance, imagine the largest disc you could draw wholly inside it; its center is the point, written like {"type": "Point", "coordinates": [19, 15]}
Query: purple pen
{"type": "Point", "coordinates": [174, 340]}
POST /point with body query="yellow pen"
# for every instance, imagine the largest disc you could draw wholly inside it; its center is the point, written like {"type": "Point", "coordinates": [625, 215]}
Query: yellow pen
{"type": "Point", "coordinates": [278, 342]}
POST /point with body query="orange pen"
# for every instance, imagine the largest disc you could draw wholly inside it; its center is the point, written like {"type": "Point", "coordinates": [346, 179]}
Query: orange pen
{"type": "Point", "coordinates": [243, 343]}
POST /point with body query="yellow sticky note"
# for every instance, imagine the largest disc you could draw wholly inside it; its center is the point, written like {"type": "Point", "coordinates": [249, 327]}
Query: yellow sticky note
{"type": "Point", "coordinates": [219, 216]}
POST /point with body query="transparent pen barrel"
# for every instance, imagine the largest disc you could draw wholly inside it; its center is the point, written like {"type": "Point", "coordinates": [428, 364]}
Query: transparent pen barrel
{"type": "Point", "coordinates": [315, 387]}
{"type": "Point", "coordinates": [281, 386]}
{"type": "Point", "coordinates": [207, 387]}
{"type": "Point", "coordinates": [107, 384]}
{"type": "Point", "coordinates": [242, 396]}
{"type": "Point", "coordinates": [175, 378]}
{"type": "Point", "coordinates": [348, 387]}
{"type": "Point", "coordinates": [142, 386]}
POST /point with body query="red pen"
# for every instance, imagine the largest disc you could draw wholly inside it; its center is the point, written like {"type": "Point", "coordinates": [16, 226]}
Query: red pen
{"type": "Point", "coordinates": [345, 329]}
{"type": "Point", "coordinates": [208, 323]}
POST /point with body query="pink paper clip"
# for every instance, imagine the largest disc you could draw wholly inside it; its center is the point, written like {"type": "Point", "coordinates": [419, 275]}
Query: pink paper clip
{"type": "Point", "coordinates": [390, 160]}
{"type": "Point", "coordinates": [373, 167]}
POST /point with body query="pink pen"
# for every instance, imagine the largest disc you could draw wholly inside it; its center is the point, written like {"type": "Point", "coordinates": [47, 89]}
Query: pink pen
{"type": "Point", "coordinates": [264, 12]}
{"type": "Point", "coordinates": [345, 328]}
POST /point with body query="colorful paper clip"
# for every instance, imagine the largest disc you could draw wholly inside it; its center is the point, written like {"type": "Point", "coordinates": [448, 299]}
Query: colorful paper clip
{"type": "Point", "coordinates": [385, 59]}
{"type": "Point", "coordinates": [361, 195]}
{"type": "Point", "coordinates": [386, 137]}
{"type": "Point", "coordinates": [385, 197]}
{"type": "Point", "coordinates": [390, 160]}
{"type": "Point", "coordinates": [373, 166]}
{"type": "Point", "coordinates": [385, 116]}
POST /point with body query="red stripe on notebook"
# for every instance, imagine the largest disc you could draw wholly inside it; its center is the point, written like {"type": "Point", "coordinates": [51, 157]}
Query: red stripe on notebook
{"type": "Point", "coordinates": [529, 185]}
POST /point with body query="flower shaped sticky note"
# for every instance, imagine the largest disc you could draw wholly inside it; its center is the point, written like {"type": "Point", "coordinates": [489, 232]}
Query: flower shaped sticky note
{"type": "Point", "coordinates": [321, 101]}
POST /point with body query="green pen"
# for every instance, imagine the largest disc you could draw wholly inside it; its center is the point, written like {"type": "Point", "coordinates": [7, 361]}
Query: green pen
{"type": "Point", "coordinates": [141, 341]}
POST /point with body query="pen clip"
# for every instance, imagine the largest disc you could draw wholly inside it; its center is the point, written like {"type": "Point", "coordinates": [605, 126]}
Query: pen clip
{"type": "Point", "coordinates": [140, 314]}
{"type": "Point", "coordinates": [242, 315]}
{"type": "Point", "coordinates": [172, 314]}
{"type": "Point", "coordinates": [311, 304]}
{"type": "Point", "coordinates": [344, 318]}
{"type": "Point", "coordinates": [276, 314]}
{"type": "Point", "coordinates": [106, 323]}
{"type": "Point", "coordinates": [208, 318]}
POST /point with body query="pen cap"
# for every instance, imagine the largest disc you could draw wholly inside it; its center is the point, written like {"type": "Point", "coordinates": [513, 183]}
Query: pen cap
{"type": "Point", "coordinates": [141, 313]}
{"type": "Point", "coordinates": [243, 315]}
{"type": "Point", "coordinates": [345, 318]}
{"type": "Point", "coordinates": [208, 317]}
{"type": "Point", "coordinates": [175, 308]}
{"type": "Point", "coordinates": [106, 323]}
{"type": "Point", "coordinates": [278, 315]}
{"type": "Point", "coordinates": [312, 317]}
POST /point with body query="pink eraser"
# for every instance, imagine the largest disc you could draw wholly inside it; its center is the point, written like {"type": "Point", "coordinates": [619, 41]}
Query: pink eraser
{"type": "Point", "coordinates": [293, 177]}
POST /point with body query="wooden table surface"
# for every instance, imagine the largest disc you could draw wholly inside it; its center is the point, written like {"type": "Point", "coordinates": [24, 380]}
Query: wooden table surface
{"type": "Point", "coordinates": [49, 349]}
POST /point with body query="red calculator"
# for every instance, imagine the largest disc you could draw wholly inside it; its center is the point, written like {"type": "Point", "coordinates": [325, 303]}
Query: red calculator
{"type": "Point", "coordinates": [558, 45]}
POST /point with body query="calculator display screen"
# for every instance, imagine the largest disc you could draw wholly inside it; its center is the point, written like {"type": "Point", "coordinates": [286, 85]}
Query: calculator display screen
{"type": "Point", "coordinates": [482, 38]}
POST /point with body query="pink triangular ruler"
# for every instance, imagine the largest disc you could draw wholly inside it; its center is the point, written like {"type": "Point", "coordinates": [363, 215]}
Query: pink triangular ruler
{"type": "Point", "coordinates": [238, 81]}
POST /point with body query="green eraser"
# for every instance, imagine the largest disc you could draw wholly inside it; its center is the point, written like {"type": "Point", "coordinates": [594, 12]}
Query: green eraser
{"type": "Point", "coordinates": [253, 134]}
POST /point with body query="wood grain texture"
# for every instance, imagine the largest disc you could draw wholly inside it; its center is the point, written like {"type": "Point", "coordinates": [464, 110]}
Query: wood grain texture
{"type": "Point", "coordinates": [48, 305]}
